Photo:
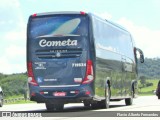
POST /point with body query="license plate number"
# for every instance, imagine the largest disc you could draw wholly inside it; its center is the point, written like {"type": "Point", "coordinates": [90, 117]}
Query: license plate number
{"type": "Point", "coordinates": [59, 94]}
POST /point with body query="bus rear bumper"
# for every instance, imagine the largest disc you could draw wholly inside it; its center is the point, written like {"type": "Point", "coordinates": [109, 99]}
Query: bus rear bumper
{"type": "Point", "coordinates": [61, 95]}
{"type": "Point", "coordinates": [41, 99]}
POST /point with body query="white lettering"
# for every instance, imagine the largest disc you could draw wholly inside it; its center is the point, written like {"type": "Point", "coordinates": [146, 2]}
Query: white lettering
{"type": "Point", "coordinates": [49, 43]}
{"type": "Point", "coordinates": [69, 42]}
{"type": "Point", "coordinates": [50, 79]}
{"type": "Point", "coordinates": [64, 43]}
{"type": "Point", "coordinates": [78, 64]}
{"type": "Point", "coordinates": [122, 114]}
{"type": "Point", "coordinates": [42, 43]}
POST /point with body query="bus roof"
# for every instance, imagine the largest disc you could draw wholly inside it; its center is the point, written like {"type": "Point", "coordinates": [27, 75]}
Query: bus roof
{"type": "Point", "coordinates": [106, 20]}
{"type": "Point", "coordinates": [80, 12]}
{"type": "Point", "coordinates": [59, 12]}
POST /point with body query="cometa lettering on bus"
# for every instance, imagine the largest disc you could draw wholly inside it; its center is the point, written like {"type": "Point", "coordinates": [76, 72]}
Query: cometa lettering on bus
{"type": "Point", "coordinates": [69, 42]}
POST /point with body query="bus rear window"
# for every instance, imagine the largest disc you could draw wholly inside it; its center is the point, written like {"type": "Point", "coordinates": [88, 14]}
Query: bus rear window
{"type": "Point", "coordinates": [58, 25]}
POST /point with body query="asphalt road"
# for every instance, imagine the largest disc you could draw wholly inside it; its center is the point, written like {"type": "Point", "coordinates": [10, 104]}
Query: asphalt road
{"type": "Point", "coordinates": [148, 104]}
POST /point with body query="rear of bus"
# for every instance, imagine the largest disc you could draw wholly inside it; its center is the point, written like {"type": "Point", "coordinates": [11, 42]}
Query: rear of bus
{"type": "Point", "coordinates": [59, 65]}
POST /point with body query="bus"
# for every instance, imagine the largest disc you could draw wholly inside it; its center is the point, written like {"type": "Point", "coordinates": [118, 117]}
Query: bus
{"type": "Point", "coordinates": [78, 57]}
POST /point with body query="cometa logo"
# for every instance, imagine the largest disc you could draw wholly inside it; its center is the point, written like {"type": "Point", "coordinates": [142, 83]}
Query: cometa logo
{"type": "Point", "coordinates": [69, 42]}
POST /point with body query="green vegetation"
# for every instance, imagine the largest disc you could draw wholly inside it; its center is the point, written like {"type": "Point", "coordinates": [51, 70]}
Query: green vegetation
{"type": "Point", "coordinates": [149, 75]}
{"type": "Point", "coordinates": [144, 89]}
{"type": "Point", "coordinates": [20, 102]}
{"type": "Point", "coordinates": [13, 85]}
{"type": "Point", "coordinates": [14, 96]}
{"type": "Point", "coordinates": [150, 68]}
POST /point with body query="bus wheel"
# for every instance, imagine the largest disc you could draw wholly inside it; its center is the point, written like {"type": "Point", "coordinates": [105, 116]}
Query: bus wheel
{"type": "Point", "coordinates": [94, 105]}
{"type": "Point", "coordinates": [129, 101]}
{"type": "Point", "coordinates": [54, 107]}
{"type": "Point", "coordinates": [98, 105]}
{"type": "Point", "coordinates": [86, 104]}
{"type": "Point", "coordinates": [107, 97]}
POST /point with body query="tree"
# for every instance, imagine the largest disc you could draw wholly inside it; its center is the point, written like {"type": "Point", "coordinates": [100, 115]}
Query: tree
{"type": "Point", "coordinates": [142, 80]}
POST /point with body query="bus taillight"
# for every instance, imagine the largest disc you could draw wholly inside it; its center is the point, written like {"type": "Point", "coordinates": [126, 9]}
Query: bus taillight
{"type": "Point", "coordinates": [89, 72]}
{"type": "Point", "coordinates": [31, 79]}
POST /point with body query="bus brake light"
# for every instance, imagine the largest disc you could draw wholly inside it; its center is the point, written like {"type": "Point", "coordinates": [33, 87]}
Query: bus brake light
{"type": "Point", "coordinates": [31, 79]}
{"type": "Point", "coordinates": [89, 73]}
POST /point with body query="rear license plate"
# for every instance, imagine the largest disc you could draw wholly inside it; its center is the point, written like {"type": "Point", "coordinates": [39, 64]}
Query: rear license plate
{"type": "Point", "coordinates": [59, 93]}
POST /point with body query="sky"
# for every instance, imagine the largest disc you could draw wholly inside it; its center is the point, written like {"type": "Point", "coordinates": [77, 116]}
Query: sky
{"type": "Point", "coordinates": [140, 17]}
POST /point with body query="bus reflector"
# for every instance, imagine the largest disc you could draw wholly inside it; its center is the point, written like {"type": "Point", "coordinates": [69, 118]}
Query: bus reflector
{"type": "Point", "coordinates": [87, 92]}
{"type": "Point", "coordinates": [89, 72]}
{"type": "Point", "coordinates": [31, 79]}
{"type": "Point", "coordinates": [74, 92]}
{"type": "Point", "coordinates": [82, 13]}
{"type": "Point", "coordinates": [41, 93]}
{"type": "Point", "coordinates": [34, 15]}
{"type": "Point", "coordinates": [33, 94]}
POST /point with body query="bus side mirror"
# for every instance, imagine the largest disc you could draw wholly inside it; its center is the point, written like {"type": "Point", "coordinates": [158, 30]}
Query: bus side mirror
{"type": "Point", "coordinates": [141, 54]}
{"type": "Point", "coordinates": [141, 58]}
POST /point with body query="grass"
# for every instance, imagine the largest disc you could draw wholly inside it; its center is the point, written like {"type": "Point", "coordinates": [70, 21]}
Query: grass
{"type": "Point", "coordinates": [147, 90]}
{"type": "Point", "coordinates": [20, 102]}
{"type": "Point", "coordinates": [12, 97]}
{"type": "Point", "coordinates": [17, 101]}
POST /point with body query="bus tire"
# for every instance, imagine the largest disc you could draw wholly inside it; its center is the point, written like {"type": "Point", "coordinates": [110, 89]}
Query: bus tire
{"type": "Point", "coordinates": [54, 107]}
{"type": "Point", "coordinates": [94, 105]}
{"type": "Point", "coordinates": [129, 101]}
{"type": "Point", "coordinates": [107, 96]}
{"type": "Point", "coordinates": [86, 104]}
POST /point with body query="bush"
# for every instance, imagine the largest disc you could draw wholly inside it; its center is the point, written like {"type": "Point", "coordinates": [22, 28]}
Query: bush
{"type": "Point", "coordinates": [149, 84]}
{"type": "Point", "coordinates": [13, 84]}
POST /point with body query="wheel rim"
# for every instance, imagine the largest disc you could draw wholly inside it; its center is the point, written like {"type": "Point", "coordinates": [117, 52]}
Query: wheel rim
{"type": "Point", "coordinates": [107, 100]}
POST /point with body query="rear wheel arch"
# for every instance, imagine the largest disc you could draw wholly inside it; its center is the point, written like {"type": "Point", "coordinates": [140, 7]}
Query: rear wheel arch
{"type": "Point", "coordinates": [108, 84]}
{"type": "Point", "coordinates": [108, 81]}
